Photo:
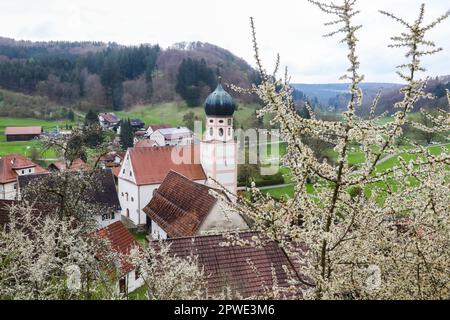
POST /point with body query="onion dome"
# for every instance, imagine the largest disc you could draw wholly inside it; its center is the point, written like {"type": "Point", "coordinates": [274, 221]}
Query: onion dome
{"type": "Point", "coordinates": [219, 103]}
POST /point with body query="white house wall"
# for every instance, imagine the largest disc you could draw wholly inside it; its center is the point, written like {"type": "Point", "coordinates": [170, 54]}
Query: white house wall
{"type": "Point", "coordinates": [218, 220]}
{"type": "Point", "coordinates": [7, 191]}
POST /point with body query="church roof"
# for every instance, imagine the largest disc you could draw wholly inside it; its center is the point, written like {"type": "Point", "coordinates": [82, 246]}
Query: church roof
{"type": "Point", "coordinates": [219, 103]}
{"type": "Point", "coordinates": [152, 164]}
{"type": "Point", "coordinates": [179, 205]}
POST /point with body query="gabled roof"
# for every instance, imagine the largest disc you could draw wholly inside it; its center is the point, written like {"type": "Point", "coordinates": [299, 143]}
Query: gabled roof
{"type": "Point", "coordinates": [159, 126]}
{"type": "Point", "coordinates": [179, 205]}
{"type": "Point", "coordinates": [10, 163]}
{"type": "Point", "coordinates": [23, 130]}
{"type": "Point", "coordinates": [109, 117]}
{"type": "Point", "coordinates": [104, 194]}
{"type": "Point", "coordinates": [145, 143]}
{"type": "Point", "coordinates": [77, 164]}
{"type": "Point", "coordinates": [152, 164]}
{"type": "Point", "coordinates": [232, 265]}
{"type": "Point", "coordinates": [175, 133]}
{"type": "Point", "coordinates": [121, 240]}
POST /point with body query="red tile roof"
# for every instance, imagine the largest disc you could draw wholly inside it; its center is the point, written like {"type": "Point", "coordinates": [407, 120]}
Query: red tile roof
{"type": "Point", "coordinates": [159, 126]}
{"type": "Point", "coordinates": [145, 143]}
{"type": "Point", "coordinates": [179, 206]}
{"type": "Point", "coordinates": [77, 164]}
{"type": "Point", "coordinates": [109, 117]}
{"type": "Point", "coordinates": [10, 163]}
{"type": "Point", "coordinates": [234, 266]}
{"type": "Point", "coordinates": [121, 240]}
{"type": "Point", "coordinates": [152, 164]}
{"type": "Point", "coordinates": [23, 130]}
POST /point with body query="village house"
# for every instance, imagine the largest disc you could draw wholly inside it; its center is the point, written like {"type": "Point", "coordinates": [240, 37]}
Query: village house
{"type": "Point", "coordinates": [183, 208]}
{"type": "Point", "coordinates": [137, 124]}
{"type": "Point", "coordinates": [61, 165]}
{"type": "Point", "coordinates": [11, 167]}
{"type": "Point", "coordinates": [242, 271]}
{"type": "Point", "coordinates": [153, 127]}
{"type": "Point", "coordinates": [108, 120]}
{"type": "Point", "coordinates": [144, 169]}
{"type": "Point", "coordinates": [116, 233]}
{"type": "Point", "coordinates": [22, 133]}
{"type": "Point", "coordinates": [122, 242]}
{"type": "Point", "coordinates": [172, 136]}
{"type": "Point", "coordinates": [103, 195]}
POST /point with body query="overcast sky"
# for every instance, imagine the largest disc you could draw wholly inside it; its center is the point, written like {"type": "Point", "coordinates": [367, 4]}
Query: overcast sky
{"type": "Point", "coordinates": [293, 28]}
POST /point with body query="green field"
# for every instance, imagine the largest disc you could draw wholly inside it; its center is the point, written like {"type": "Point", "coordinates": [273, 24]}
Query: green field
{"type": "Point", "coordinates": [355, 157]}
{"type": "Point", "coordinates": [24, 147]}
{"type": "Point", "coordinates": [172, 113]}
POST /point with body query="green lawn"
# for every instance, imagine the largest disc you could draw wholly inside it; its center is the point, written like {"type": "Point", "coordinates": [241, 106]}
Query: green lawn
{"type": "Point", "coordinates": [138, 294]}
{"type": "Point", "coordinates": [172, 113]}
{"type": "Point", "coordinates": [24, 147]}
{"type": "Point", "coordinates": [288, 191]}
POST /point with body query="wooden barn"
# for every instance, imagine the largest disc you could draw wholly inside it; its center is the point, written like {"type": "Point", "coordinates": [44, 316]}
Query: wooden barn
{"type": "Point", "coordinates": [22, 133]}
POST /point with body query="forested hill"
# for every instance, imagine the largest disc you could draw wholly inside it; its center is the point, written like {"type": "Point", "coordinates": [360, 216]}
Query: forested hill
{"type": "Point", "coordinates": [334, 96]}
{"type": "Point", "coordinates": [97, 75]}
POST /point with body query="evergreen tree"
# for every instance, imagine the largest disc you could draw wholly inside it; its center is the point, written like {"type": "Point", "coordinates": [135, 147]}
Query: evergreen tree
{"type": "Point", "coordinates": [90, 118]}
{"type": "Point", "coordinates": [126, 134]}
{"type": "Point", "coordinates": [71, 115]}
{"type": "Point", "coordinates": [192, 76]}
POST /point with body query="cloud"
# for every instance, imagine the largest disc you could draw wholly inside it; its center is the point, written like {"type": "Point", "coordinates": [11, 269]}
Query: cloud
{"type": "Point", "coordinates": [292, 28]}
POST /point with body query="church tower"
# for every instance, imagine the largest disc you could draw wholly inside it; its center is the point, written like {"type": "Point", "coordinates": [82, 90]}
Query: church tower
{"type": "Point", "coordinates": [218, 148]}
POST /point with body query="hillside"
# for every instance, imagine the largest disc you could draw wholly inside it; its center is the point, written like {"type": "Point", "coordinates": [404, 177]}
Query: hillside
{"type": "Point", "coordinates": [100, 76]}
{"type": "Point", "coordinates": [334, 97]}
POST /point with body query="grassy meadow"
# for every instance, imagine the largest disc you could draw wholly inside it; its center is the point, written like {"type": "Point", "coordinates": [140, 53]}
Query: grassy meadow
{"type": "Point", "coordinates": [24, 147]}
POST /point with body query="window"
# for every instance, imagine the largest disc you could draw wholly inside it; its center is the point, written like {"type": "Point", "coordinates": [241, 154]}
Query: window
{"type": "Point", "coordinates": [15, 186]}
{"type": "Point", "coordinates": [220, 121]}
{"type": "Point", "coordinates": [229, 131]}
{"type": "Point", "coordinates": [29, 170]}
{"type": "Point", "coordinates": [211, 121]}
{"type": "Point", "coordinates": [132, 199]}
{"type": "Point", "coordinates": [229, 122]}
{"type": "Point", "coordinates": [122, 194]}
{"type": "Point", "coordinates": [126, 195]}
{"type": "Point", "coordinates": [127, 213]}
{"type": "Point", "coordinates": [221, 132]}
{"type": "Point", "coordinates": [123, 171]}
{"type": "Point", "coordinates": [122, 285]}
{"type": "Point", "coordinates": [113, 215]}
{"type": "Point", "coordinates": [131, 173]}
{"type": "Point", "coordinates": [104, 217]}
{"type": "Point", "coordinates": [23, 171]}
{"type": "Point", "coordinates": [136, 274]}
{"type": "Point", "coordinates": [210, 131]}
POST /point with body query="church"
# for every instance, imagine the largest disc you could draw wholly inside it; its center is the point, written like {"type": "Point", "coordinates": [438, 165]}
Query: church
{"type": "Point", "coordinates": [213, 165]}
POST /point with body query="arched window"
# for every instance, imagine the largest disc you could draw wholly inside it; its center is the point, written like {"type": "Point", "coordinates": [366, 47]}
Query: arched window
{"type": "Point", "coordinates": [210, 131]}
{"type": "Point", "coordinates": [229, 131]}
{"type": "Point", "coordinates": [229, 122]}
{"type": "Point", "coordinates": [126, 195]}
{"type": "Point", "coordinates": [128, 213]}
{"type": "Point", "coordinates": [220, 132]}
